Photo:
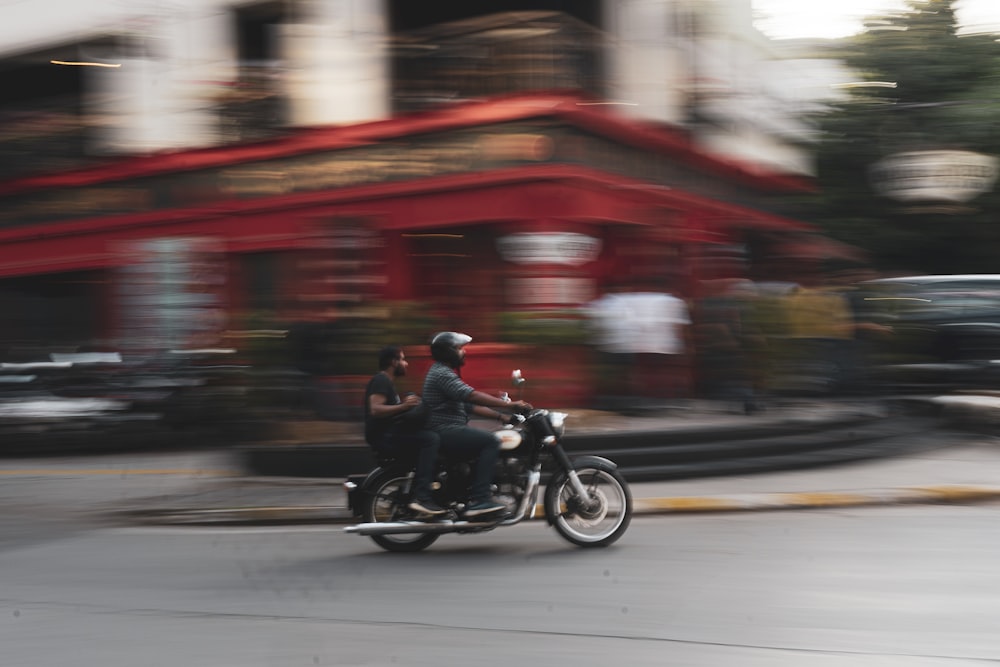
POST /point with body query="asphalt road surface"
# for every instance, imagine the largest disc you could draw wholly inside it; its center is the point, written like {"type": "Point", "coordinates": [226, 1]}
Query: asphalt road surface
{"type": "Point", "coordinates": [42, 499]}
{"type": "Point", "coordinates": [911, 585]}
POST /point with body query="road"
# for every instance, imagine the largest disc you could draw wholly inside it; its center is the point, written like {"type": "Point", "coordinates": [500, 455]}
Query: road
{"type": "Point", "coordinates": [908, 585]}
{"type": "Point", "coordinates": [44, 497]}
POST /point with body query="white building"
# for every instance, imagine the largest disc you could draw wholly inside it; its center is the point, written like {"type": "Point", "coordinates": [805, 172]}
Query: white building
{"type": "Point", "coordinates": [188, 73]}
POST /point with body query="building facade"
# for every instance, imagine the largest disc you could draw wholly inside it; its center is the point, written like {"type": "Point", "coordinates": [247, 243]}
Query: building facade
{"type": "Point", "coordinates": [350, 161]}
{"type": "Point", "coordinates": [105, 78]}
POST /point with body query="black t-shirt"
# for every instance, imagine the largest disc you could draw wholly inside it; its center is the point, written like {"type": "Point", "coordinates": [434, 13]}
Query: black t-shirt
{"type": "Point", "coordinates": [375, 429]}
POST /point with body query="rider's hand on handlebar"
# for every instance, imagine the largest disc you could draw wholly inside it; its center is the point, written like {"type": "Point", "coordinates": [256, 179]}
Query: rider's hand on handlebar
{"type": "Point", "coordinates": [507, 419]}
{"type": "Point", "coordinates": [521, 407]}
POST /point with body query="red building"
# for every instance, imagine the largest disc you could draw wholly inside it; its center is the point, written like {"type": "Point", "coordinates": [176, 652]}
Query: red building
{"type": "Point", "coordinates": [531, 204]}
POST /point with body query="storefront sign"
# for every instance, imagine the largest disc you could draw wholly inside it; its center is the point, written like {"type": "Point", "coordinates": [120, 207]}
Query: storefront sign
{"type": "Point", "coordinates": [499, 146]}
{"type": "Point", "coordinates": [934, 176]}
{"type": "Point", "coordinates": [549, 248]}
{"type": "Point", "coordinates": [551, 291]}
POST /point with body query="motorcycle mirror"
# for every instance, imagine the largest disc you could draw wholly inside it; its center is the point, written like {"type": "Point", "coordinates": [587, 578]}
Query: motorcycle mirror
{"type": "Point", "coordinates": [516, 378]}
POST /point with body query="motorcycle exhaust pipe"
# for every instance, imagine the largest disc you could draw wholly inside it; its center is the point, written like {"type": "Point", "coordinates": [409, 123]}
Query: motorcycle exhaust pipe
{"type": "Point", "coordinates": [403, 527]}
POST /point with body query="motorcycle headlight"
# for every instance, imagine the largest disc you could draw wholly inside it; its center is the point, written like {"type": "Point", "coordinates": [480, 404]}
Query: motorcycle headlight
{"type": "Point", "coordinates": [558, 421]}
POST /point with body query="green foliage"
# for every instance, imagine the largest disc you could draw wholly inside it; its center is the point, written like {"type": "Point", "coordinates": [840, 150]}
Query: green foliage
{"type": "Point", "coordinates": [407, 323]}
{"type": "Point", "coordinates": [543, 328]}
{"type": "Point", "coordinates": [946, 95]}
{"type": "Point", "coordinates": [355, 346]}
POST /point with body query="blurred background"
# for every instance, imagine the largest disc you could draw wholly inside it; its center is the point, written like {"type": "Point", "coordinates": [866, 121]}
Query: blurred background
{"type": "Point", "coordinates": [214, 213]}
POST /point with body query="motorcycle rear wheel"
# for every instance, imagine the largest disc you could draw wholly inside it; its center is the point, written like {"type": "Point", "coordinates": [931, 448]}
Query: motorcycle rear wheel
{"type": "Point", "coordinates": [596, 521]}
{"type": "Point", "coordinates": [386, 502]}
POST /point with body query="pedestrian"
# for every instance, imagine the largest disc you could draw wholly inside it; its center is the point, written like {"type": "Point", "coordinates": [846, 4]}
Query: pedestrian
{"type": "Point", "coordinates": [728, 344]}
{"type": "Point", "coordinates": [641, 338]}
{"type": "Point", "coordinates": [820, 328]}
{"type": "Point", "coordinates": [869, 333]}
{"type": "Point", "coordinates": [395, 427]}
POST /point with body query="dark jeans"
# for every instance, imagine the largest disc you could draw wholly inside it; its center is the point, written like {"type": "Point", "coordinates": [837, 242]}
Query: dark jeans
{"type": "Point", "coordinates": [420, 447]}
{"type": "Point", "coordinates": [468, 443]}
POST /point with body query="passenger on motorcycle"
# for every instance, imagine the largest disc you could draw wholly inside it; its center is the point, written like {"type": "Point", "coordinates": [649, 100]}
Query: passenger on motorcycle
{"type": "Point", "coordinates": [450, 401]}
{"type": "Point", "coordinates": [389, 434]}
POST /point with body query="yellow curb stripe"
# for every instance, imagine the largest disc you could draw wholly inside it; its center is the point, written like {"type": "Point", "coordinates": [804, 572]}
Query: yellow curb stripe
{"type": "Point", "coordinates": [686, 504]}
{"type": "Point", "coordinates": [813, 499]}
{"type": "Point", "coordinates": [957, 493]}
{"type": "Point", "coordinates": [806, 500]}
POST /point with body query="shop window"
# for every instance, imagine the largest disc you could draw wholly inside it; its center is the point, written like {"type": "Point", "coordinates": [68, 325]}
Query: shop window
{"type": "Point", "coordinates": [260, 273]}
{"type": "Point", "coordinates": [256, 27]}
{"type": "Point", "coordinates": [342, 270]}
{"type": "Point", "coordinates": [171, 293]}
{"type": "Point", "coordinates": [43, 126]}
{"type": "Point", "coordinates": [453, 276]}
{"type": "Point", "coordinates": [46, 312]}
{"type": "Point", "coordinates": [458, 51]}
{"type": "Point", "coordinates": [409, 15]}
{"type": "Point", "coordinates": [254, 106]}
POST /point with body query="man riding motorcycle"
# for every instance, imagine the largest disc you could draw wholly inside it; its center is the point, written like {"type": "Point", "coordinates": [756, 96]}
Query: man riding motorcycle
{"type": "Point", "coordinates": [450, 400]}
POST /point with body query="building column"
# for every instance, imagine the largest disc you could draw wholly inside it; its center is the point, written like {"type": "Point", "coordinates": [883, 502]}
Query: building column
{"type": "Point", "coordinates": [162, 95]}
{"type": "Point", "coordinates": [647, 57]}
{"type": "Point", "coordinates": [338, 62]}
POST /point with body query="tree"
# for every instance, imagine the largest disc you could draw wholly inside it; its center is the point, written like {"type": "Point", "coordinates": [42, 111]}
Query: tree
{"type": "Point", "coordinates": [921, 86]}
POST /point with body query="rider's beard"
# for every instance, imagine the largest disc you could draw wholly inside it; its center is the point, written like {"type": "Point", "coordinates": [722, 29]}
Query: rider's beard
{"type": "Point", "coordinates": [398, 372]}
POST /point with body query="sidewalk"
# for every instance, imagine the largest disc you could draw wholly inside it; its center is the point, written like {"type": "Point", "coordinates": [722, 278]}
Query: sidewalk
{"type": "Point", "coordinates": [963, 467]}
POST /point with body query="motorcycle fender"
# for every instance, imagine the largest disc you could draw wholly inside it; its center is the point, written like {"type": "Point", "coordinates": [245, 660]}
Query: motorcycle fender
{"type": "Point", "coordinates": [357, 487]}
{"type": "Point", "coordinates": [595, 461]}
{"type": "Point", "coordinates": [372, 474]}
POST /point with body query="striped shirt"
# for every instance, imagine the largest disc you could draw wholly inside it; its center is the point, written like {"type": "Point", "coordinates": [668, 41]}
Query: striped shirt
{"type": "Point", "coordinates": [446, 396]}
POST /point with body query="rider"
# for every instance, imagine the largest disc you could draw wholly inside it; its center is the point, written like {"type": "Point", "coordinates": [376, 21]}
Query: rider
{"type": "Point", "coordinates": [450, 400]}
{"type": "Point", "coordinates": [388, 436]}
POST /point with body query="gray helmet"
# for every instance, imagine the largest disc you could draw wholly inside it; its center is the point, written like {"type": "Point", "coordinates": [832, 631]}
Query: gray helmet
{"type": "Point", "coordinates": [445, 346]}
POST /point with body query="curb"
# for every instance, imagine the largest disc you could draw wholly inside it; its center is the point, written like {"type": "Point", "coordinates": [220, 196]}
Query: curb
{"type": "Point", "coordinates": [944, 494]}
{"type": "Point", "coordinates": [319, 514]}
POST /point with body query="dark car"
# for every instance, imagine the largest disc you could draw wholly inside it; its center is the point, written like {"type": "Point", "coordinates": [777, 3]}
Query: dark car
{"type": "Point", "coordinates": [946, 329]}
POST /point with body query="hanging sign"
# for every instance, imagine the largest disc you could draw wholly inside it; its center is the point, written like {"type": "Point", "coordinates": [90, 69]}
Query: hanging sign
{"type": "Point", "coordinates": [549, 248]}
{"type": "Point", "coordinates": [934, 176]}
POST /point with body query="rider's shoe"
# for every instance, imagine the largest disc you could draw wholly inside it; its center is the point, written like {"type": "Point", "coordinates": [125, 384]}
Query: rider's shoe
{"type": "Point", "coordinates": [483, 508]}
{"type": "Point", "coordinates": [427, 507]}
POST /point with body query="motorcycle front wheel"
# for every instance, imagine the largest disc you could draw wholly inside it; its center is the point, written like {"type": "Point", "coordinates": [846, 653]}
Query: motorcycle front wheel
{"type": "Point", "coordinates": [597, 520]}
{"type": "Point", "coordinates": [385, 502]}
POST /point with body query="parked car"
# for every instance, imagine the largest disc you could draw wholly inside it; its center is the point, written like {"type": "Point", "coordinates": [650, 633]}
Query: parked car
{"type": "Point", "coordinates": [946, 329]}
{"type": "Point", "coordinates": [98, 401]}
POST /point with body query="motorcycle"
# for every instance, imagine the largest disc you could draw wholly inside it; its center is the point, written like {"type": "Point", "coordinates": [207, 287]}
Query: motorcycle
{"type": "Point", "coordinates": [586, 499]}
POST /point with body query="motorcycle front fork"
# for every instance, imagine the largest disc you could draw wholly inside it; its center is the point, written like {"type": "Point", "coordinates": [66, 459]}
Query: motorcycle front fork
{"type": "Point", "coordinates": [574, 480]}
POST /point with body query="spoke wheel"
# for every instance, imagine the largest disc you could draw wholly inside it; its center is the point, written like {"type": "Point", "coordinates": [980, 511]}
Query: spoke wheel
{"type": "Point", "coordinates": [386, 503]}
{"type": "Point", "coordinates": [597, 520]}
